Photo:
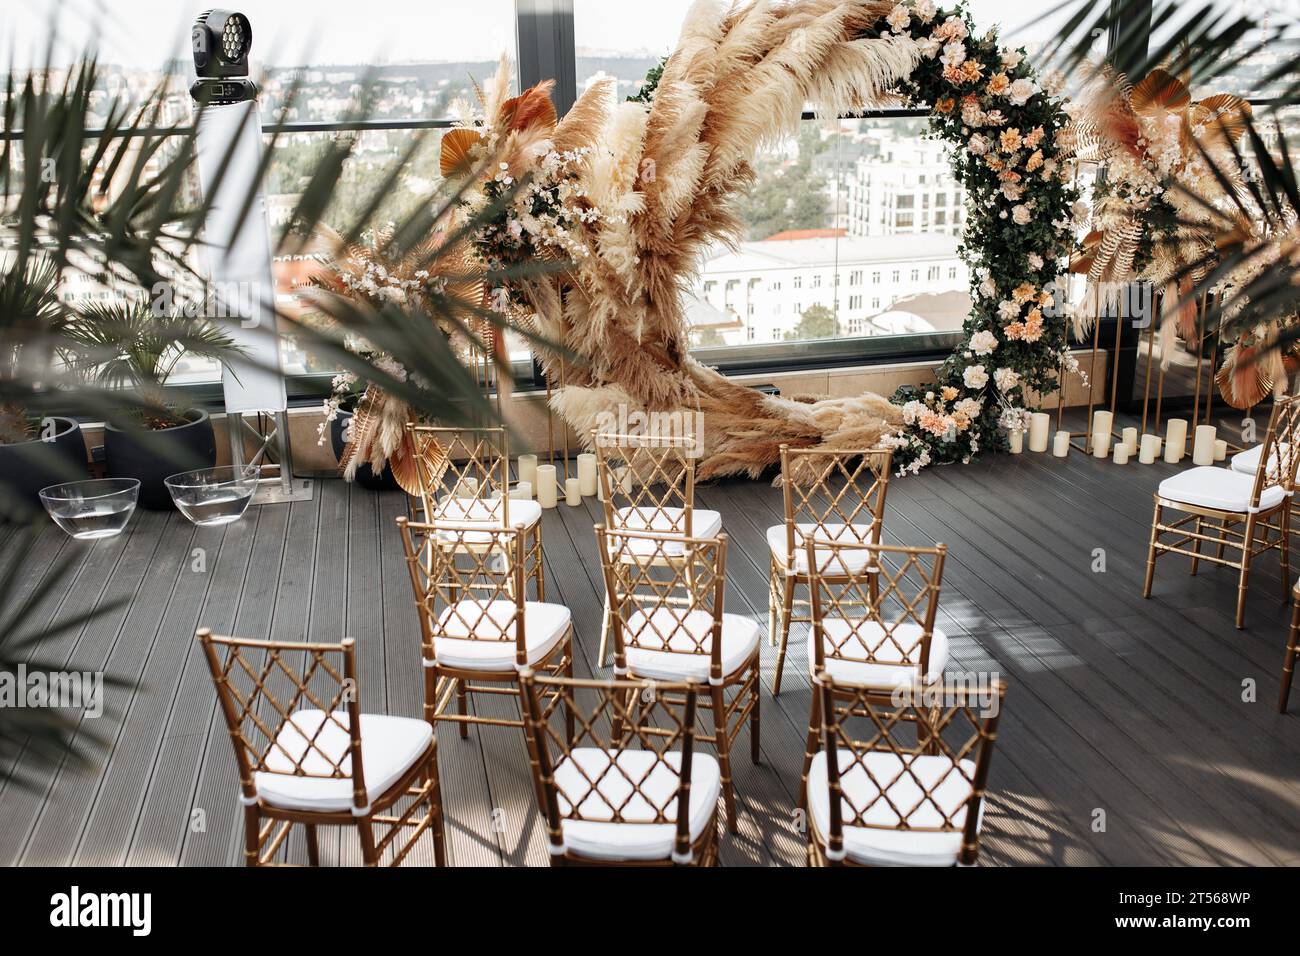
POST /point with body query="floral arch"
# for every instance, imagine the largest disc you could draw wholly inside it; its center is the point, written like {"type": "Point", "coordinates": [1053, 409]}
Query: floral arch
{"type": "Point", "coordinates": [632, 193]}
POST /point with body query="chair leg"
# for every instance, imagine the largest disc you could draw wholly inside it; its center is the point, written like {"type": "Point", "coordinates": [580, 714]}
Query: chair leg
{"type": "Point", "coordinates": [723, 744]}
{"type": "Point", "coordinates": [1151, 552]}
{"type": "Point", "coordinates": [756, 684]}
{"type": "Point", "coordinates": [1223, 536]}
{"type": "Point", "coordinates": [366, 831]}
{"type": "Point", "coordinates": [1248, 545]}
{"type": "Point", "coordinates": [313, 850]}
{"type": "Point", "coordinates": [252, 840]}
{"type": "Point", "coordinates": [1284, 546]}
{"type": "Point", "coordinates": [434, 779]}
{"type": "Point", "coordinates": [462, 706]}
{"type": "Point", "coordinates": [570, 721]}
{"type": "Point", "coordinates": [1288, 660]}
{"type": "Point", "coordinates": [787, 611]}
{"type": "Point", "coordinates": [772, 572]}
{"type": "Point", "coordinates": [537, 566]}
{"type": "Point", "coordinates": [810, 747]}
{"type": "Point", "coordinates": [1196, 544]}
{"type": "Point", "coordinates": [603, 656]}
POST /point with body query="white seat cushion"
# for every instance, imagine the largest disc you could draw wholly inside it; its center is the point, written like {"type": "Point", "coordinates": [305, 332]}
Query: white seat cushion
{"type": "Point", "coordinates": [544, 626]}
{"type": "Point", "coordinates": [1217, 488]}
{"type": "Point", "coordinates": [1247, 462]}
{"type": "Point", "coordinates": [679, 629]}
{"type": "Point", "coordinates": [389, 746]}
{"type": "Point", "coordinates": [704, 524]}
{"type": "Point", "coordinates": [523, 512]}
{"type": "Point", "coordinates": [631, 840]}
{"type": "Point", "coordinates": [875, 845]}
{"type": "Point", "coordinates": [850, 561]}
{"type": "Point", "coordinates": [867, 639]}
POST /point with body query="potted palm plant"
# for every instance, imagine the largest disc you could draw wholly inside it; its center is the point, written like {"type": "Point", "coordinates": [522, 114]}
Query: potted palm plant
{"type": "Point", "coordinates": [35, 449]}
{"type": "Point", "coordinates": [129, 347]}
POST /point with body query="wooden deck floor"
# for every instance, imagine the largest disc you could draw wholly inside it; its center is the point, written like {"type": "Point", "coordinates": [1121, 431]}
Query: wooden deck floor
{"type": "Point", "coordinates": [1117, 707]}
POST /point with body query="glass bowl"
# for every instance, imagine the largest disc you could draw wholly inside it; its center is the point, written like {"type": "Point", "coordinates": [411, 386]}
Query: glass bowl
{"type": "Point", "coordinates": [93, 509]}
{"type": "Point", "coordinates": [213, 496]}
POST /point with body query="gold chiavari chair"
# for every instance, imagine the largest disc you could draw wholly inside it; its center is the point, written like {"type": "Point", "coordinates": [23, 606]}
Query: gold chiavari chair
{"type": "Point", "coordinates": [464, 475]}
{"type": "Point", "coordinates": [900, 779]}
{"type": "Point", "coordinates": [1215, 501]}
{"type": "Point", "coordinates": [647, 483]}
{"type": "Point", "coordinates": [1292, 651]}
{"type": "Point", "coordinates": [478, 630]}
{"type": "Point", "coordinates": [668, 624]}
{"type": "Point", "coordinates": [832, 496]}
{"type": "Point", "coordinates": [306, 753]}
{"type": "Point", "coordinates": [612, 791]}
{"type": "Point", "coordinates": [873, 612]}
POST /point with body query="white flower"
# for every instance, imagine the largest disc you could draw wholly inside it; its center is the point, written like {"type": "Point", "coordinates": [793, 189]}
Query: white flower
{"type": "Point", "coordinates": [1008, 309]}
{"type": "Point", "coordinates": [988, 288]}
{"type": "Point", "coordinates": [926, 10]}
{"type": "Point", "coordinates": [929, 47]}
{"type": "Point", "coordinates": [1080, 211]}
{"type": "Point", "coordinates": [898, 18]}
{"type": "Point", "coordinates": [1006, 379]}
{"type": "Point", "coordinates": [1012, 191]}
{"type": "Point", "coordinates": [975, 377]}
{"type": "Point", "coordinates": [954, 54]}
{"type": "Point", "coordinates": [970, 407]}
{"type": "Point", "coordinates": [978, 145]}
{"type": "Point", "coordinates": [1020, 91]}
{"type": "Point", "coordinates": [1011, 59]}
{"type": "Point", "coordinates": [1021, 215]}
{"type": "Point", "coordinates": [912, 411]}
{"type": "Point", "coordinates": [983, 342]}
{"type": "Point", "coordinates": [1035, 261]}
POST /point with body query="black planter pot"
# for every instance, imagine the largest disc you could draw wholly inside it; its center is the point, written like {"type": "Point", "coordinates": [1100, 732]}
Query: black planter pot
{"type": "Point", "coordinates": [27, 467]}
{"type": "Point", "coordinates": [155, 455]}
{"type": "Point", "coordinates": [366, 476]}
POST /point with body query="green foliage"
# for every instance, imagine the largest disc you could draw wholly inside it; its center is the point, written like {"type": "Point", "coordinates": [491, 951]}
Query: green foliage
{"type": "Point", "coordinates": [816, 322]}
{"type": "Point", "coordinates": [647, 91]}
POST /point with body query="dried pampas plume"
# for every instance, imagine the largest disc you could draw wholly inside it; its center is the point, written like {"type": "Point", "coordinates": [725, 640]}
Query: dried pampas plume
{"type": "Point", "coordinates": [663, 179]}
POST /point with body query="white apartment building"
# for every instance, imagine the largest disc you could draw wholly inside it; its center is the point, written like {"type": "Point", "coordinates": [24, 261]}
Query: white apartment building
{"type": "Point", "coordinates": [763, 288]}
{"type": "Point", "coordinates": [908, 188]}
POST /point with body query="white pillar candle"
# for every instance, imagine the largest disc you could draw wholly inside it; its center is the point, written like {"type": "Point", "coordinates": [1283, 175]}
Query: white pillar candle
{"type": "Point", "coordinates": [1176, 440]}
{"type": "Point", "coordinates": [467, 487]}
{"type": "Point", "coordinates": [1061, 444]}
{"type": "Point", "coordinates": [572, 492]}
{"type": "Point", "coordinates": [1017, 439]}
{"type": "Point", "coordinates": [1203, 445]}
{"type": "Point", "coordinates": [547, 491]}
{"type": "Point", "coordinates": [1121, 453]}
{"type": "Point", "coordinates": [1150, 449]}
{"type": "Point", "coordinates": [1039, 423]}
{"type": "Point", "coordinates": [526, 470]}
{"type": "Point", "coordinates": [522, 491]}
{"type": "Point", "coordinates": [1102, 421]}
{"type": "Point", "coordinates": [1220, 450]}
{"type": "Point", "coordinates": [1130, 438]}
{"type": "Point", "coordinates": [587, 473]}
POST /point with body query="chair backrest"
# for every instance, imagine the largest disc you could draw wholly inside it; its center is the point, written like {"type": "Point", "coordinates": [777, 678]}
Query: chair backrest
{"type": "Point", "coordinates": [468, 582]}
{"type": "Point", "coordinates": [665, 592]}
{"type": "Point", "coordinates": [874, 603]}
{"type": "Point", "coordinates": [647, 480]}
{"type": "Point", "coordinates": [834, 494]}
{"type": "Point", "coordinates": [263, 688]}
{"type": "Point", "coordinates": [1280, 453]}
{"type": "Point", "coordinates": [612, 718]}
{"type": "Point", "coordinates": [915, 760]}
{"type": "Point", "coordinates": [464, 473]}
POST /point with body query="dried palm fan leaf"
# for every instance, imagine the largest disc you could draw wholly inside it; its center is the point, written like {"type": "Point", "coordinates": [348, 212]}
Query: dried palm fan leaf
{"type": "Point", "coordinates": [1244, 380]}
{"type": "Point", "coordinates": [455, 157]}
{"type": "Point", "coordinates": [531, 108]}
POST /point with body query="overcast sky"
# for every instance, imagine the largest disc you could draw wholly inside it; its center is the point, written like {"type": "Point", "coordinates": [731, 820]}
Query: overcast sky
{"type": "Point", "coordinates": [292, 32]}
